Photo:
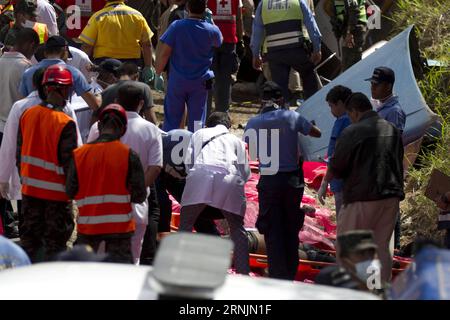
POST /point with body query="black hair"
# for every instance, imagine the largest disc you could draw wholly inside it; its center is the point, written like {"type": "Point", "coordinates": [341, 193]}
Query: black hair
{"type": "Point", "coordinates": [217, 118]}
{"type": "Point", "coordinates": [128, 69]}
{"type": "Point", "coordinates": [358, 102]}
{"type": "Point", "coordinates": [129, 96]}
{"type": "Point", "coordinates": [25, 36]}
{"type": "Point", "coordinates": [39, 54]}
{"type": "Point", "coordinates": [338, 93]}
{"type": "Point", "coordinates": [196, 6]}
{"type": "Point", "coordinates": [55, 50]}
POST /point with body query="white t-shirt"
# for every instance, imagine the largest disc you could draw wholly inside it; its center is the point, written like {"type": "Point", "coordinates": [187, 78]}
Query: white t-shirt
{"type": "Point", "coordinates": [46, 14]}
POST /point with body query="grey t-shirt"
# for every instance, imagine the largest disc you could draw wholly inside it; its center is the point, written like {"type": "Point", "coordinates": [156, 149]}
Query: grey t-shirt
{"type": "Point", "coordinates": [110, 94]}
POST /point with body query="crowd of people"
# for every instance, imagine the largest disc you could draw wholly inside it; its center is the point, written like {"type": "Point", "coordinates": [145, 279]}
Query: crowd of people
{"type": "Point", "coordinates": [106, 181]}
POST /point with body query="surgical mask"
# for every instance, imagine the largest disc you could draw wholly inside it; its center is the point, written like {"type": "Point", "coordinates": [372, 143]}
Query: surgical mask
{"type": "Point", "coordinates": [367, 268]}
{"type": "Point", "coordinates": [28, 24]}
{"type": "Point", "coordinates": [377, 104]}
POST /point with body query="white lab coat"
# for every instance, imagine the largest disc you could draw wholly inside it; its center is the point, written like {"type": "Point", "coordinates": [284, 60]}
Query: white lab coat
{"type": "Point", "coordinates": [8, 169]}
{"type": "Point", "coordinates": [218, 172]}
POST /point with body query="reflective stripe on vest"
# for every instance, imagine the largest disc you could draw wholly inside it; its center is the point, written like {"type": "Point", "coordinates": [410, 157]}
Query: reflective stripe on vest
{"type": "Point", "coordinates": [224, 18]}
{"type": "Point", "coordinates": [340, 10]}
{"type": "Point", "coordinates": [42, 164]}
{"type": "Point", "coordinates": [43, 184]}
{"type": "Point", "coordinates": [102, 170]}
{"type": "Point", "coordinates": [108, 198]}
{"type": "Point", "coordinates": [112, 218]}
{"type": "Point", "coordinates": [42, 31]}
{"type": "Point", "coordinates": [283, 24]}
{"type": "Point", "coordinates": [224, 13]}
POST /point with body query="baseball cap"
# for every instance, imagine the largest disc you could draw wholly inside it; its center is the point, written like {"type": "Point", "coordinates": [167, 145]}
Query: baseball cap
{"type": "Point", "coordinates": [57, 42]}
{"type": "Point", "coordinates": [110, 65]}
{"type": "Point", "coordinates": [382, 74]}
{"type": "Point", "coordinates": [26, 6]}
{"type": "Point", "coordinates": [357, 240]}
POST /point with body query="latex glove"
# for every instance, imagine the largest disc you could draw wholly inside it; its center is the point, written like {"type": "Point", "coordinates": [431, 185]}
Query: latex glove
{"type": "Point", "coordinates": [4, 190]}
{"type": "Point", "coordinates": [322, 193]}
{"type": "Point", "coordinates": [159, 83]}
{"type": "Point", "coordinates": [148, 74]}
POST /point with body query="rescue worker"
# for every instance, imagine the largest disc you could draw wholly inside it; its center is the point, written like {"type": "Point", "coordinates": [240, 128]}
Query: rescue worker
{"type": "Point", "coordinates": [144, 138]}
{"type": "Point", "coordinates": [119, 32]}
{"type": "Point", "coordinates": [45, 142]}
{"type": "Point", "coordinates": [282, 25]}
{"type": "Point", "coordinates": [281, 185]}
{"type": "Point", "coordinates": [227, 15]}
{"type": "Point", "coordinates": [105, 177]}
{"type": "Point", "coordinates": [25, 15]}
{"type": "Point", "coordinates": [349, 22]}
{"type": "Point", "coordinates": [218, 169]}
{"type": "Point", "coordinates": [57, 52]}
{"type": "Point", "coordinates": [188, 43]}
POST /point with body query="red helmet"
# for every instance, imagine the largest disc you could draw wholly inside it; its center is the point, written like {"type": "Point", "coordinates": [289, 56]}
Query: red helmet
{"type": "Point", "coordinates": [58, 74]}
{"type": "Point", "coordinates": [119, 111]}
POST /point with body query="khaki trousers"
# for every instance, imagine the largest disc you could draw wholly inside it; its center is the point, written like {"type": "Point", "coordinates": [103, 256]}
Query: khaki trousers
{"type": "Point", "coordinates": [380, 217]}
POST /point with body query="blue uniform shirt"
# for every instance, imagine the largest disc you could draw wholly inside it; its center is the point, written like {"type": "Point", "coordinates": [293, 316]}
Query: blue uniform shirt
{"type": "Point", "coordinates": [340, 124]}
{"type": "Point", "coordinates": [308, 20]}
{"type": "Point", "coordinates": [192, 42]}
{"type": "Point", "coordinates": [80, 84]}
{"type": "Point", "coordinates": [392, 111]}
{"type": "Point", "coordinates": [289, 124]}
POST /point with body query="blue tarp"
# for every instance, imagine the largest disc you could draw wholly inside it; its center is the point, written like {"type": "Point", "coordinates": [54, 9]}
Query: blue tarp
{"type": "Point", "coordinates": [426, 279]}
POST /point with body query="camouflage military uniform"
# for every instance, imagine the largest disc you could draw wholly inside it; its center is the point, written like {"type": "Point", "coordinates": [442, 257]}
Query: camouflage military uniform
{"type": "Point", "coordinates": [46, 227]}
{"type": "Point", "coordinates": [350, 18]}
{"type": "Point", "coordinates": [117, 246]}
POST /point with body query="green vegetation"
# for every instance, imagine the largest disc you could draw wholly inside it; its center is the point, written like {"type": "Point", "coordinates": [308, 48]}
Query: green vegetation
{"type": "Point", "coordinates": [431, 18]}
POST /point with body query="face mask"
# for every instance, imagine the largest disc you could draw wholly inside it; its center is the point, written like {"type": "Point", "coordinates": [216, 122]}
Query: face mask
{"type": "Point", "coordinates": [28, 24]}
{"type": "Point", "coordinates": [377, 104]}
{"type": "Point", "coordinates": [367, 268]}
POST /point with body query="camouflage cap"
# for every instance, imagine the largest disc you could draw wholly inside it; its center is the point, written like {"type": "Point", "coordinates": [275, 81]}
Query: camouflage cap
{"type": "Point", "coordinates": [354, 241]}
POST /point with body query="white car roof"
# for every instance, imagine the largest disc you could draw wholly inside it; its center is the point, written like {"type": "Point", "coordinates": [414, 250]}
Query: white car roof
{"type": "Point", "coordinates": [108, 281]}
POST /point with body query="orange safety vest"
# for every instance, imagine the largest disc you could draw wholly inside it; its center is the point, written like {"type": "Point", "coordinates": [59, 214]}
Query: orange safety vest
{"type": "Point", "coordinates": [224, 16]}
{"type": "Point", "coordinates": [103, 199]}
{"type": "Point", "coordinates": [41, 174]}
{"type": "Point", "coordinates": [40, 28]}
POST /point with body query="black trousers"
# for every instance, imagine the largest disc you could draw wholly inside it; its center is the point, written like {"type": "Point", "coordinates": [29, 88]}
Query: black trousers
{"type": "Point", "coordinates": [280, 64]}
{"type": "Point", "coordinates": [280, 220]}
{"type": "Point", "coordinates": [117, 247]}
{"type": "Point", "coordinates": [167, 183]}
{"type": "Point", "coordinates": [160, 214]}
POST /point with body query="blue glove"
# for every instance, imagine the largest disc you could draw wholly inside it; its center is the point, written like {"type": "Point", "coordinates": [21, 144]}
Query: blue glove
{"type": "Point", "coordinates": [148, 74]}
{"type": "Point", "coordinates": [159, 83]}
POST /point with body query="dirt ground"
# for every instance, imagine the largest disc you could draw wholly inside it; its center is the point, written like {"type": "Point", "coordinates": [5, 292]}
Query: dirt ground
{"type": "Point", "coordinates": [245, 104]}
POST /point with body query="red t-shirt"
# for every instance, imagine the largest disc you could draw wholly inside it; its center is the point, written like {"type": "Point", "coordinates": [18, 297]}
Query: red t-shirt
{"type": "Point", "coordinates": [87, 8]}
